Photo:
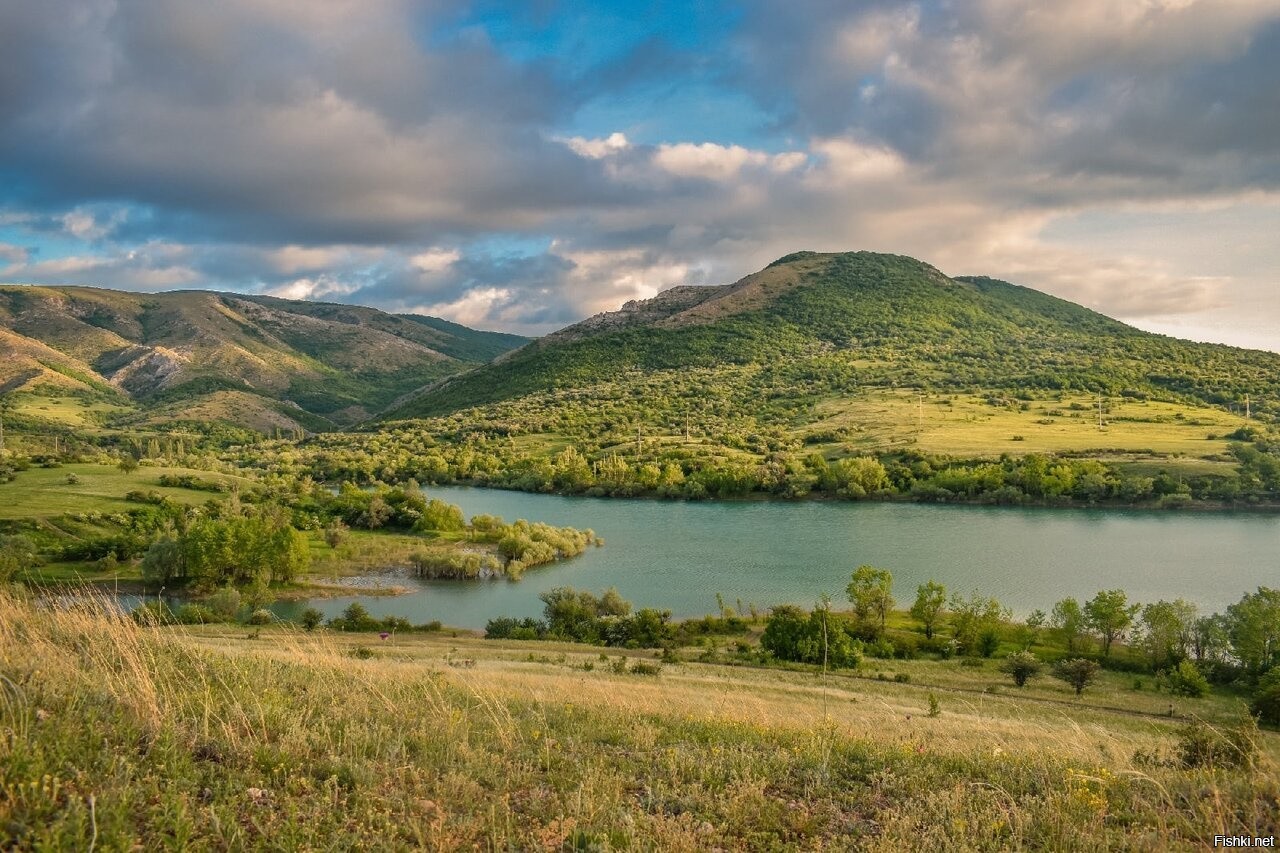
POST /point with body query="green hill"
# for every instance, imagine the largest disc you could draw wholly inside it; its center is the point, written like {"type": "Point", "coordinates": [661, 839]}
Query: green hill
{"type": "Point", "coordinates": [252, 361]}
{"type": "Point", "coordinates": [853, 375]}
{"type": "Point", "coordinates": [835, 322]}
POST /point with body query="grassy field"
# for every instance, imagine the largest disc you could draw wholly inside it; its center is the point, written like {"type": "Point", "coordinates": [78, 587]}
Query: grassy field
{"type": "Point", "coordinates": [45, 493]}
{"type": "Point", "coordinates": [70, 411]}
{"type": "Point", "coordinates": [120, 736]}
{"type": "Point", "coordinates": [969, 426]}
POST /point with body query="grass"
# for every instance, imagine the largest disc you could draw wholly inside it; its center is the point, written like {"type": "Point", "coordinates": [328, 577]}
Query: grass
{"type": "Point", "coordinates": [967, 426]}
{"type": "Point", "coordinates": [118, 736]}
{"type": "Point", "coordinates": [71, 411]}
{"type": "Point", "coordinates": [44, 493]}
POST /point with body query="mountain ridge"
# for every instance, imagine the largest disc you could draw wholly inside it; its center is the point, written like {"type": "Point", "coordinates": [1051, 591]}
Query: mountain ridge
{"type": "Point", "coordinates": [301, 364]}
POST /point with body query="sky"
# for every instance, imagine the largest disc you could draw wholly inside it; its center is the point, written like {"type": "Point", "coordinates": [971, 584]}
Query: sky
{"type": "Point", "coordinates": [520, 166]}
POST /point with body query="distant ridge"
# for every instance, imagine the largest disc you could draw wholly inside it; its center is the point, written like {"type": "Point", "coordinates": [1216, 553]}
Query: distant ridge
{"type": "Point", "coordinates": [256, 361]}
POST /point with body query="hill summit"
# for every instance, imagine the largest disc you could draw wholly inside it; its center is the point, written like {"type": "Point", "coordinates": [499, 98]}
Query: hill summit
{"type": "Point", "coordinates": [836, 322]}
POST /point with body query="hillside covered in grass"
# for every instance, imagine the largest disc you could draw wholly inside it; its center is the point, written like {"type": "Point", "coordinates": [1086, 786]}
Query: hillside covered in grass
{"type": "Point", "coordinates": [820, 324]}
{"type": "Point", "coordinates": [847, 375]}
{"type": "Point", "coordinates": [259, 362]}
{"type": "Point", "coordinates": [119, 736]}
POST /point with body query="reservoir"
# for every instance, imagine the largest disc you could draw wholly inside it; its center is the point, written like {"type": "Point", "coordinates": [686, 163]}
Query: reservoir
{"type": "Point", "coordinates": [678, 556]}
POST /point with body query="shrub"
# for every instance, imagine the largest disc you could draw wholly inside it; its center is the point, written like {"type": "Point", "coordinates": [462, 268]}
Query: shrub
{"type": "Point", "coordinates": [641, 667]}
{"type": "Point", "coordinates": [1266, 699]}
{"type": "Point", "coordinates": [1078, 672]}
{"type": "Point", "coordinates": [225, 602]}
{"type": "Point", "coordinates": [1186, 680]}
{"type": "Point", "coordinates": [261, 616]}
{"type": "Point", "coordinates": [311, 619]}
{"type": "Point", "coordinates": [195, 614]}
{"type": "Point", "coordinates": [1202, 745]}
{"type": "Point", "coordinates": [362, 652]}
{"type": "Point", "coordinates": [152, 613]}
{"type": "Point", "coordinates": [1021, 667]}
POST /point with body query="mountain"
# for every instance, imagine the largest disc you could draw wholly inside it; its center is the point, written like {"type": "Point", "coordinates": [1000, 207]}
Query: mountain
{"type": "Point", "coordinates": [814, 325]}
{"type": "Point", "coordinates": [255, 361]}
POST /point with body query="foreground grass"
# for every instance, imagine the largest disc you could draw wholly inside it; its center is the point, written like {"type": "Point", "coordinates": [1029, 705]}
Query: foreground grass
{"type": "Point", "coordinates": [114, 736]}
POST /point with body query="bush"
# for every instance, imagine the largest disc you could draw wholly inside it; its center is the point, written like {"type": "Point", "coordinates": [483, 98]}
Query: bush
{"type": "Point", "coordinates": [645, 668]}
{"type": "Point", "coordinates": [225, 602]}
{"type": "Point", "coordinates": [1078, 672]}
{"type": "Point", "coordinates": [261, 616]}
{"type": "Point", "coordinates": [1021, 667]}
{"type": "Point", "coordinates": [195, 614]}
{"type": "Point", "coordinates": [1186, 680]}
{"type": "Point", "coordinates": [152, 613]}
{"type": "Point", "coordinates": [1266, 699]}
{"type": "Point", "coordinates": [1202, 745]}
{"type": "Point", "coordinates": [310, 619]}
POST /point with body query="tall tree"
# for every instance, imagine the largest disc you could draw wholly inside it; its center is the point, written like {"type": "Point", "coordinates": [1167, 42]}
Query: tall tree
{"type": "Point", "coordinates": [871, 593]}
{"type": "Point", "coordinates": [1253, 624]}
{"type": "Point", "coordinates": [929, 606]}
{"type": "Point", "coordinates": [1068, 619]}
{"type": "Point", "coordinates": [1110, 614]}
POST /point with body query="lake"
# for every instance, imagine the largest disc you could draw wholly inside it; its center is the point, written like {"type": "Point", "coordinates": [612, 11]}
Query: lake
{"type": "Point", "coordinates": [677, 556]}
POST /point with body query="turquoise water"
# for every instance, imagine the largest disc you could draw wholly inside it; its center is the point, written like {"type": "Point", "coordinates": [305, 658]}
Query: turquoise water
{"type": "Point", "coordinates": [677, 556]}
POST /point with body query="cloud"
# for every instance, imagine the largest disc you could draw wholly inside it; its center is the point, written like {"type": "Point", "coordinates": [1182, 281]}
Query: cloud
{"type": "Point", "coordinates": [408, 155]}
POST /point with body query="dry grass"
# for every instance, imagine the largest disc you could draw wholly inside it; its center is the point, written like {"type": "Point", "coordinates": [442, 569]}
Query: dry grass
{"type": "Point", "coordinates": [114, 736]}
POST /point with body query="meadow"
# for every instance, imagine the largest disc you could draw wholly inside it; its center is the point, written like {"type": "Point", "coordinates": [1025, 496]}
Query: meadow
{"type": "Point", "coordinates": [120, 736]}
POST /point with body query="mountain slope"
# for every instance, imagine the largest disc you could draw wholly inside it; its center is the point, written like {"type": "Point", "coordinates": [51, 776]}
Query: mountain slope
{"type": "Point", "coordinates": [831, 323]}
{"type": "Point", "coordinates": [284, 362]}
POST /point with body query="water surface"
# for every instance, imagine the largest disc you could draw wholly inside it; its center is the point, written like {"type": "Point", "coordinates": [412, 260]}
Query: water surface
{"type": "Point", "coordinates": [678, 556]}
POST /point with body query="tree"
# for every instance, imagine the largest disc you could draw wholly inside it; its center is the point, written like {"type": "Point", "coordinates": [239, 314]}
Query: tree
{"type": "Point", "coordinates": [1185, 680]}
{"type": "Point", "coordinates": [1021, 666]}
{"type": "Point", "coordinates": [163, 561]}
{"type": "Point", "coordinates": [1167, 631]}
{"type": "Point", "coordinates": [1110, 614]}
{"type": "Point", "coordinates": [976, 622]}
{"type": "Point", "coordinates": [1253, 624]}
{"type": "Point", "coordinates": [311, 619]}
{"type": "Point", "coordinates": [127, 464]}
{"type": "Point", "coordinates": [929, 607]}
{"type": "Point", "coordinates": [870, 592]}
{"type": "Point", "coordinates": [1068, 620]}
{"type": "Point", "coordinates": [1078, 672]}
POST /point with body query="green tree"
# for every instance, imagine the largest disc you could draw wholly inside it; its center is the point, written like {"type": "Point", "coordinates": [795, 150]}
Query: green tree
{"type": "Point", "coordinates": [1253, 625]}
{"type": "Point", "coordinates": [976, 623]}
{"type": "Point", "coordinates": [1185, 680]}
{"type": "Point", "coordinates": [1021, 667]}
{"type": "Point", "coordinates": [1078, 672]}
{"type": "Point", "coordinates": [162, 564]}
{"type": "Point", "coordinates": [930, 606]}
{"type": "Point", "coordinates": [871, 593]}
{"type": "Point", "coordinates": [1110, 614]}
{"type": "Point", "coordinates": [1068, 620]}
{"type": "Point", "coordinates": [1167, 631]}
{"type": "Point", "coordinates": [17, 554]}
{"type": "Point", "coordinates": [311, 619]}
{"type": "Point", "coordinates": [127, 464]}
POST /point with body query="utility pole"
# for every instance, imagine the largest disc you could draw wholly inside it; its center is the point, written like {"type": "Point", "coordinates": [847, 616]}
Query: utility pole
{"type": "Point", "coordinates": [1099, 412]}
{"type": "Point", "coordinates": [686, 428]}
{"type": "Point", "coordinates": [1247, 413]}
{"type": "Point", "coordinates": [919, 412]}
{"type": "Point", "coordinates": [639, 444]}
